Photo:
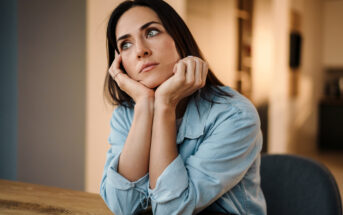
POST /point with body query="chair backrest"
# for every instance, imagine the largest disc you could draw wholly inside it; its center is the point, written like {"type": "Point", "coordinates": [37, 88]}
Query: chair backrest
{"type": "Point", "coordinates": [297, 185]}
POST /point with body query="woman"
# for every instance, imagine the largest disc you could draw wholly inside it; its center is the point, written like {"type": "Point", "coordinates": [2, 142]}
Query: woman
{"type": "Point", "coordinates": [180, 141]}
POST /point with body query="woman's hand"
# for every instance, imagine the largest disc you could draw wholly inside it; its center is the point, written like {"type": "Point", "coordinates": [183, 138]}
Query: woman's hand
{"type": "Point", "coordinates": [134, 89]}
{"type": "Point", "coordinates": [189, 75]}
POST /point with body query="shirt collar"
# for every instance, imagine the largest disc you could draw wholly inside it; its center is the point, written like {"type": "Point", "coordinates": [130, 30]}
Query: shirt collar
{"type": "Point", "coordinates": [193, 122]}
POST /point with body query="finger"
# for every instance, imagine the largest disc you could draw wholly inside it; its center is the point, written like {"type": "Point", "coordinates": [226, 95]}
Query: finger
{"type": "Point", "coordinates": [125, 83]}
{"type": "Point", "coordinates": [120, 78]}
{"type": "Point", "coordinates": [114, 70]}
{"type": "Point", "coordinates": [116, 63]}
{"type": "Point", "coordinates": [129, 86]}
{"type": "Point", "coordinates": [175, 68]}
{"type": "Point", "coordinates": [180, 71]}
{"type": "Point", "coordinates": [117, 60]}
{"type": "Point", "coordinates": [198, 71]}
{"type": "Point", "coordinates": [204, 72]}
{"type": "Point", "coordinates": [115, 75]}
{"type": "Point", "coordinates": [190, 63]}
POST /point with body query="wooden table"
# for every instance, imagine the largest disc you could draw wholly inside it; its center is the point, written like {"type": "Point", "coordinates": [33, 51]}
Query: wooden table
{"type": "Point", "coordinates": [30, 199]}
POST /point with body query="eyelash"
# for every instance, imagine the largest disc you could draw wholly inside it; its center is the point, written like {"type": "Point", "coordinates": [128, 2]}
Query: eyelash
{"type": "Point", "coordinates": [147, 35]}
{"type": "Point", "coordinates": [152, 29]}
{"type": "Point", "coordinates": [122, 45]}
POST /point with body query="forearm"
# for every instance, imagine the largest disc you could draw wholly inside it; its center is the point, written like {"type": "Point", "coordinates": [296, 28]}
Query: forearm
{"type": "Point", "coordinates": [163, 143]}
{"type": "Point", "coordinates": [134, 158]}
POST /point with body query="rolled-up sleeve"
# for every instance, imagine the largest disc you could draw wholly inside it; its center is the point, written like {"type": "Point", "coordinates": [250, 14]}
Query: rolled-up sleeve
{"type": "Point", "coordinates": [174, 174]}
{"type": "Point", "coordinates": [121, 195]}
{"type": "Point", "coordinates": [227, 151]}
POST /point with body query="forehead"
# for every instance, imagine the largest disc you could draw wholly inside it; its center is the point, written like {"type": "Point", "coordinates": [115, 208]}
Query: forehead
{"type": "Point", "coordinates": [134, 18]}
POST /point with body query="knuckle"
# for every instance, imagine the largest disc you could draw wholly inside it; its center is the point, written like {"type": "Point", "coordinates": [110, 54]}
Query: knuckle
{"type": "Point", "coordinates": [197, 59]}
{"type": "Point", "coordinates": [206, 65]}
{"type": "Point", "coordinates": [118, 78]}
{"type": "Point", "coordinates": [198, 62]}
{"type": "Point", "coordinates": [181, 64]}
{"type": "Point", "coordinates": [120, 75]}
{"type": "Point", "coordinates": [190, 81]}
{"type": "Point", "coordinates": [187, 61]}
{"type": "Point", "coordinates": [191, 61]}
{"type": "Point", "coordinates": [198, 83]}
{"type": "Point", "coordinates": [110, 71]}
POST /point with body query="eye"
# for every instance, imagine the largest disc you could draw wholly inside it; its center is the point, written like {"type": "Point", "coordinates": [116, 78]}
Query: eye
{"type": "Point", "coordinates": [125, 45]}
{"type": "Point", "coordinates": [152, 32]}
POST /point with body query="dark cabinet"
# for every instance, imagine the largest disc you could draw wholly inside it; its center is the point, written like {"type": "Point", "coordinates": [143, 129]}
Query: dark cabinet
{"type": "Point", "coordinates": [330, 124]}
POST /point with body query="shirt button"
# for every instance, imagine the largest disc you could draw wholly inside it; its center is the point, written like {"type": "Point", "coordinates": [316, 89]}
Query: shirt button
{"type": "Point", "coordinates": [133, 185]}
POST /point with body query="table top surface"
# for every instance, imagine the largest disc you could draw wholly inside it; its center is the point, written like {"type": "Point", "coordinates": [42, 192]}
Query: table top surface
{"type": "Point", "coordinates": [31, 199]}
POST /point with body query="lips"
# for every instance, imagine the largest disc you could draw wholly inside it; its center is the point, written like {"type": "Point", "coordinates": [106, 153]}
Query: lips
{"type": "Point", "coordinates": [148, 66]}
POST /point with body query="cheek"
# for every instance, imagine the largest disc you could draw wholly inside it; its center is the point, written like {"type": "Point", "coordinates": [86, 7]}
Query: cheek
{"type": "Point", "coordinates": [174, 55]}
{"type": "Point", "coordinates": [168, 44]}
{"type": "Point", "coordinates": [127, 65]}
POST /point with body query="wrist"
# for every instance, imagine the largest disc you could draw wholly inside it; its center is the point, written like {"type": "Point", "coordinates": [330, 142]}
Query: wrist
{"type": "Point", "coordinates": [163, 102]}
{"type": "Point", "coordinates": [162, 108]}
{"type": "Point", "coordinates": [145, 104]}
{"type": "Point", "coordinates": [160, 105]}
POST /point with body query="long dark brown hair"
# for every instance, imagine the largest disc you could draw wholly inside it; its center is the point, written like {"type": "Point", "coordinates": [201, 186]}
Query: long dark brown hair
{"type": "Point", "coordinates": [177, 29]}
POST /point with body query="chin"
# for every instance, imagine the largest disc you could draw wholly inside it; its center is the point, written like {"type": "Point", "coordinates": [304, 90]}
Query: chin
{"type": "Point", "coordinates": [151, 85]}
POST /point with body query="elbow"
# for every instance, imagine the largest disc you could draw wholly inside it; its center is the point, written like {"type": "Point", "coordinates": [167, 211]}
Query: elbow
{"type": "Point", "coordinates": [104, 197]}
{"type": "Point", "coordinates": [109, 203]}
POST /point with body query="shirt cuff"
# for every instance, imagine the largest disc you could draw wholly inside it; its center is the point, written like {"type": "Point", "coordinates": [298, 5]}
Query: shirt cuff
{"type": "Point", "coordinates": [120, 182]}
{"type": "Point", "coordinates": [171, 183]}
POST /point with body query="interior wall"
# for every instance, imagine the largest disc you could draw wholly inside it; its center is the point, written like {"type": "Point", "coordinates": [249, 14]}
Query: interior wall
{"type": "Point", "coordinates": [51, 96]}
{"type": "Point", "coordinates": [8, 89]}
{"type": "Point", "coordinates": [278, 132]}
{"type": "Point", "coordinates": [304, 107]}
{"type": "Point", "coordinates": [213, 24]}
{"type": "Point", "coordinates": [180, 6]}
{"type": "Point", "coordinates": [98, 110]}
{"type": "Point", "coordinates": [332, 34]}
{"type": "Point", "coordinates": [262, 51]}
{"type": "Point", "coordinates": [293, 119]}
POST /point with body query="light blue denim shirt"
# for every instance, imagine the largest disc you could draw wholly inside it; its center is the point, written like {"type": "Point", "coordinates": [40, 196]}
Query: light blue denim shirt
{"type": "Point", "coordinates": [218, 166]}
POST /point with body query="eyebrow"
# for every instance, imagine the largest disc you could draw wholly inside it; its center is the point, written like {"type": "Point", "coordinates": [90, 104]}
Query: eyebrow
{"type": "Point", "coordinates": [141, 28]}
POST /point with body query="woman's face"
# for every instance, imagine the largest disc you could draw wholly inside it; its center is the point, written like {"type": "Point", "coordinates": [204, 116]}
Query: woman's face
{"type": "Point", "coordinates": [148, 52]}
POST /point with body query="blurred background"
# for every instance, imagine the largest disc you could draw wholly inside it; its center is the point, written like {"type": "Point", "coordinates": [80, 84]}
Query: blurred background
{"type": "Point", "coordinates": [286, 56]}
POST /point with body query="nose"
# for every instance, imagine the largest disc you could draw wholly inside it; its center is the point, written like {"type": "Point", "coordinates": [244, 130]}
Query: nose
{"type": "Point", "coordinates": [142, 49]}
